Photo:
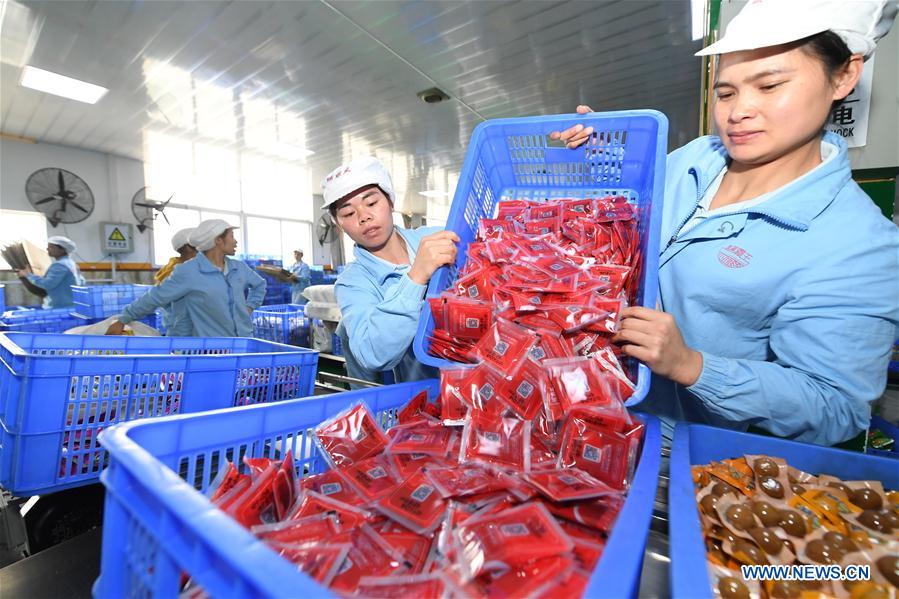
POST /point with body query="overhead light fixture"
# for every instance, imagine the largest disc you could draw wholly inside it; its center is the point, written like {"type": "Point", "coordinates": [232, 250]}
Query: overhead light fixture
{"type": "Point", "coordinates": [432, 96]}
{"type": "Point", "coordinates": [290, 151]}
{"type": "Point", "coordinates": [698, 12]}
{"type": "Point", "coordinates": [60, 85]}
{"type": "Point", "coordinates": [432, 193]}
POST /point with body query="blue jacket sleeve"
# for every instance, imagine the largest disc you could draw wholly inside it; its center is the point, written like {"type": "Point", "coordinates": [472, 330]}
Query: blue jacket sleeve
{"type": "Point", "coordinates": [174, 287]}
{"type": "Point", "coordinates": [380, 331]}
{"type": "Point", "coordinates": [55, 276]}
{"type": "Point", "coordinates": [257, 285]}
{"type": "Point", "coordinates": [830, 342]}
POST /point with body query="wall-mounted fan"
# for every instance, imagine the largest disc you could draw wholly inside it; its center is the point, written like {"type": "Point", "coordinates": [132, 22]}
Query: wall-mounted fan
{"type": "Point", "coordinates": [146, 209]}
{"type": "Point", "coordinates": [60, 195]}
{"type": "Point", "coordinates": [327, 229]}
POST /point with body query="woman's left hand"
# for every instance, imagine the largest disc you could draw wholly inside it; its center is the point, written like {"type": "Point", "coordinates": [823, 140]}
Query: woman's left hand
{"type": "Point", "coordinates": [653, 338]}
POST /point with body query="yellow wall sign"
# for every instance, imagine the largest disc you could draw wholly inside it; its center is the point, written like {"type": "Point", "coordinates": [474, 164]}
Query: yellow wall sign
{"type": "Point", "coordinates": [116, 238]}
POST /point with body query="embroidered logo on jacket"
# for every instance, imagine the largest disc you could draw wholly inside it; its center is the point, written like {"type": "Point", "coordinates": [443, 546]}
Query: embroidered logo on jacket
{"type": "Point", "coordinates": [733, 256]}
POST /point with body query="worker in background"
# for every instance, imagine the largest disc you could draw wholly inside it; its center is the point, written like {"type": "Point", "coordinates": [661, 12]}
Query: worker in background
{"type": "Point", "coordinates": [61, 275]}
{"type": "Point", "coordinates": [778, 276]}
{"type": "Point", "coordinates": [381, 293]}
{"type": "Point", "coordinates": [218, 294]}
{"type": "Point", "coordinates": [300, 277]}
{"type": "Point", "coordinates": [174, 317]}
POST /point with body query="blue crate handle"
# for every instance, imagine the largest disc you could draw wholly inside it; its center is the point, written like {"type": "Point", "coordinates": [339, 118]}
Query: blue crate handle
{"type": "Point", "coordinates": [637, 168]}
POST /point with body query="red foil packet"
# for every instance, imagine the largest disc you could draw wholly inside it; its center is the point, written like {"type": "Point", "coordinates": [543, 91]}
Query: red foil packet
{"type": "Point", "coordinates": [350, 436]}
{"type": "Point", "coordinates": [500, 441]}
{"type": "Point", "coordinates": [416, 504]}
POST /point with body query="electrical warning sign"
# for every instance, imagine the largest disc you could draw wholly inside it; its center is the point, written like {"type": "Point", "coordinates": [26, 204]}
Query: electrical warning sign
{"type": "Point", "coordinates": [116, 238]}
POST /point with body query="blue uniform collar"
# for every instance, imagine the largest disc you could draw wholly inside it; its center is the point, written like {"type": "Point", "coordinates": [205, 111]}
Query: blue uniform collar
{"type": "Point", "coordinates": [795, 204]}
{"type": "Point", "coordinates": [380, 268]}
{"type": "Point", "coordinates": [204, 265]}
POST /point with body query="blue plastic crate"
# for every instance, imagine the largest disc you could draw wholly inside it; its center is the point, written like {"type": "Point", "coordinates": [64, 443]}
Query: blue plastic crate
{"type": "Point", "coordinates": [890, 430]}
{"type": "Point", "coordinates": [697, 444]}
{"type": "Point", "coordinates": [156, 525]}
{"type": "Point", "coordinates": [284, 323]}
{"type": "Point", "coordinates": [512, 159]}
{"type": "Point", "coordinates": [58, 391]}
{"type": "Point", "coordinates": [54, 320]}
{"type": "Point", "coordinates": [103, 301]}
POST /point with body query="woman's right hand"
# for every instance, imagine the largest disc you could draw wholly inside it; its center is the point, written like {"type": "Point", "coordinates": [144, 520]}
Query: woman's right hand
{"type": "Point", "coordinates": [577, 135]}
{"type": "Point", "coordinates": [434, 251]}
{"type": "Point", "coordinates": [116, 328]}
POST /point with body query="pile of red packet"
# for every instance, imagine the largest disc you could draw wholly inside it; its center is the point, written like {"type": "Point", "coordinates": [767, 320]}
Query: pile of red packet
{"type": "Point", "coordinates": [562, 268]}
{"type": "Point", "coordinates": [476, 506]}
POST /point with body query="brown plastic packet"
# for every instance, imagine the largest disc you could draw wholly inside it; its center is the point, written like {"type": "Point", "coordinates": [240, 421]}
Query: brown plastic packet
{"type": "Point", "coordinates": [737, 516]}
{"type": "Point", "coordinates": [884, 566]}
{"type": "Point", "coordinates": [735, 473]}
{"type": "Point", "coordinates": [771, 476]}
{"type": "Point", "coordinates": [833, 504]}
{"type": "Point", "coordinates": [867, 494]}
{"type": "Point", "coordinates": [729, 584]}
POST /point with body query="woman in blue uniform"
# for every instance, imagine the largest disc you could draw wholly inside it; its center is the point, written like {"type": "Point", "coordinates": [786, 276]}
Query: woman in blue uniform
{"type": "Point", "coordinates": [216, 293]}
{"type": "Point", "coordinates": [381, 294]}
{"type": "Point", "coordinates": [61, 275]}
{"type": "Point", "coordinates": [779, 277]}
{"type": "Point", "coordinates": [301, 276]}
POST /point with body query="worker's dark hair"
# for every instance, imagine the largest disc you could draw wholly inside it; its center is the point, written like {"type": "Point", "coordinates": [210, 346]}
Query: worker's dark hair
{"type": "Point", "coordinates": [333, 207]}
{"type": "Point", "coordinates": [831, 50]}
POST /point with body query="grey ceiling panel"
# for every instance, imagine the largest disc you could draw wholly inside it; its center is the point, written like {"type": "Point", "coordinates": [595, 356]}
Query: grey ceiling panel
{"type": "Point", "coordinates": [340, 77]}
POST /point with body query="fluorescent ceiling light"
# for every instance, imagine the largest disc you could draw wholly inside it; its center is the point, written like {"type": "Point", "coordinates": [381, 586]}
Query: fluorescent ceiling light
{"type": "Point", "coordinates": [698, 11]}
{"type": "Point", "coordinates": [290, 151]}
{"type": "Point", "coordinates": [431, 193]}
{"type": "Point", "coordinates": [60, 85]}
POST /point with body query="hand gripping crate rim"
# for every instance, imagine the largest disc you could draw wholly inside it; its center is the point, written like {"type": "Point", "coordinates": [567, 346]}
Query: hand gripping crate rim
{"type": "Point", "coordinates": [699, 444]}
{"type": "Point", "coordinates": [145, 496]}
{"type": "Point", "coordinates": [58, 391]}
{"type": "Point", "coordinates": [531, 128]}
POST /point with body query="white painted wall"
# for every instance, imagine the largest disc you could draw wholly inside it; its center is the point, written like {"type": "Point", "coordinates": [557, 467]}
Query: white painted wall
{"type": "Point", "coordinates": [113, 179]}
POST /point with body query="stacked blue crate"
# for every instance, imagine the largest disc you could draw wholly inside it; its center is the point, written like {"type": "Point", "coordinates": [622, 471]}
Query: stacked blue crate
{"type": "Point", "coordinates": [97, 302]}
{"type": "Point", "coordinates": [54, 320]}
{"type": "Point", "coordinates": [285, 323]}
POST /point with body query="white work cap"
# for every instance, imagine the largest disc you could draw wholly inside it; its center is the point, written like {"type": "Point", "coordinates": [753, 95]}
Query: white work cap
{"type": "Point", "coordinates": [181, 238]}
{"type": "Point", "coordinates": [64, 242]}
{"type": "Point", "coordinates": [765, 23]}
{"type": "Point", "coordinates": [347, 178]}
{"type": "Point", "coordinates": [203, 237]}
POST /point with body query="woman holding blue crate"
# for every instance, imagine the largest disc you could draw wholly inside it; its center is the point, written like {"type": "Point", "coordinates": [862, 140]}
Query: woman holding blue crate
{"type": "Point", "coordinates": [61, 275]}
{"type": "Point", "coordinates": [217, 293]}
{"type": "Point", "coordinates": [381, 294]}
{"type": "Point", "coordinates": [778, 276]}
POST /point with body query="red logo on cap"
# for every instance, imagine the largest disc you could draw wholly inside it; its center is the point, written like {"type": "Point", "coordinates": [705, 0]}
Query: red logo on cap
{"type": "Point", "coordinates": [333, 176]}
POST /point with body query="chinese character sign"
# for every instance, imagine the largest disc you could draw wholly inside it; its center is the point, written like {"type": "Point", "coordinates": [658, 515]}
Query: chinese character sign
{"type": "Point", "coordinates": [850, 119]}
